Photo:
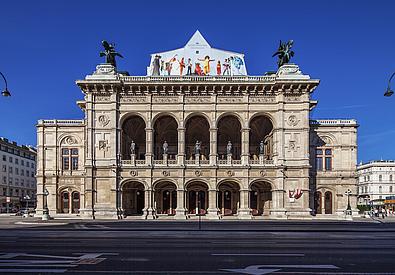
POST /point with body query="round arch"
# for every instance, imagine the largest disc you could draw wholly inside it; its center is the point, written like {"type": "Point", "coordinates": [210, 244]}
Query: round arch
{"type": "Point", "coordinates": [260, 199]}
{"type": "Point", "coordinates": [197, 197]}
{"type": "Point", "coordinates": [193, 114]}
{"type": "Point", "coordinates": [127, 115]}
{"type": "Point", "coordinates": [261, 137]}
{"type": "Point", "coordinates": [165, 137]}
{"type": "Point", "coordinates": [164, 114]}
{"type": "Point", "coordinates": [229, 137]}
{"type": "Point", "coordinates": [132, 198]}
{"type": "Point", "coordinates": [228, 197]}
{"type": "Point", "coordinates": [225, 114]}
{"type": "Point", "coordinates": [133, 142]}
{"type": "Point", "coordinates": [197, 137]}
{"type": "Point", "coordinates": [165, 197]}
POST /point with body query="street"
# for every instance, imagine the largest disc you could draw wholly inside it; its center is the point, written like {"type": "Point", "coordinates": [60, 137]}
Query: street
{"type": "Point", "coordinates": [225, 247]}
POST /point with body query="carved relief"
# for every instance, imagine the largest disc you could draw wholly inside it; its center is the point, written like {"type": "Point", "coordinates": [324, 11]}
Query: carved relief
{"type": "Point", "coordinates": [264, 99]}
{"type": "Point", "coordinates": [197, 99]}
{"type": "Point", "coordinates": [230, 99]}
{"type": "Point", "coordinates": [103, 144]}
{"type": "Point", "coordinates": [70, 140]}
{"type": "Point", "coordinates": [262, 173]}
{"type": "Point", "coordinates": [133, 173]}
{"type": "Point", "coordinates": [102, 98]}
{"type": "Point", "coordinates": [292, 145]}
{"type": "Point", "coordinates": [166, 173]}
{"type": "Point", "coordinates": [165, 99]}
{"type": "Point", "coordinates": [133, 99]}
{"type": "Point", "coordinates": [292, 120]}
{"type": "Point", "coordinates": [292, 98]}
{"type": "Point", "coordinates": [230, 173]}
{"type": "Point", "coordinates": [198, 173]}
{"type": "Point", "coordinates": [103, 120]}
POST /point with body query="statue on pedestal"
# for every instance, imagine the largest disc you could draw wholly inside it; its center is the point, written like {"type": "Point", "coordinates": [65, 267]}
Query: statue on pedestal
{"type": "Point", "coordinates": [229, 148]}
{"type": "Point", "coordinates": [165, 147]}
{"type": "Point", "coordinates": [284, 52]}
{"type": "Point", "coordinates": [110, 53]}
{"type": "Point", "coordinates": [262, 147]}
{"type": "Point", "coordinates": [197, 147]}
{"type": "Point", "coordinates": [132, 148]}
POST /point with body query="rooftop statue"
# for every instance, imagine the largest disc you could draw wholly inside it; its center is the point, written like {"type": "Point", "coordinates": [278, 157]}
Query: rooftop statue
{"type": "Point", "coordinates": [110, 53]}
{"type": "Point", "coordinates": [284, 52]}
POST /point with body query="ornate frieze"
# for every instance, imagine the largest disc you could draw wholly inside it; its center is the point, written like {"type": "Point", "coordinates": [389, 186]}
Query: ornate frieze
{"type": "Point", "coordinates": [197, 99]}
{"type": "Point", "coordinates": [232, 99]}
{"type": "Point", "coordinates": [165, 99]}
{"type": "Point", "coordinates": [263, 99]}
{"type": "Point", "coordinates": [102, 98]}
{"type": "Point", "coordinates": [134, 99]}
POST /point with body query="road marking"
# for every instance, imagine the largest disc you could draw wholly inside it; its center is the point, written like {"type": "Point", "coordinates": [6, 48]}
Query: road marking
{"type": "Point", "coordinates": [101, 226]}
{"type": "Point", "coordinates": [41, 223]}
{"type": "Point", "coordinates": [265, 269]}
{"type": "Point", "coordinates": [13, 270]}
{"type": "Point", "coordinates": [261, 254]}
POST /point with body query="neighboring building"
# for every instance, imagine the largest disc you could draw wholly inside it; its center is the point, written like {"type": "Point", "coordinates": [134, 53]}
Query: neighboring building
{"type": "Point", "coordinates": [216, 142]}
{"type": "Point", "coordinates": [376, 182]}
{"type": "Point", "coordinates": [17, 175]}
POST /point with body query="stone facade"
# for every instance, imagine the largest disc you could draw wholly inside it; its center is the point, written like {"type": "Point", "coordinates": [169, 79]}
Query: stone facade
{"type": "Point", "coordinates": [219, 144]}
{"type": "Point", "coordinates": [376, 182]}
{"type": "Point", "coordinates": [109, 181]}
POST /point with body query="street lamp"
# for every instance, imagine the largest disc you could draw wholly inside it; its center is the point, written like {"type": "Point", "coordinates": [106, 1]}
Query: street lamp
{"type": "Point", "coordinates": [5, 93]}
{"type": "Point", "coordinates": [348, 210]}
{"type": "Point", "coordinates": [45, 216]}
{"type": "Point", "coordinates": [389, 92]}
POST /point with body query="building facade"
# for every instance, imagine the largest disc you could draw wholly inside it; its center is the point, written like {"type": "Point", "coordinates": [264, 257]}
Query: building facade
{"type": "Point", "coordinates": [206, 140]}
{"type": "Point", "coordinates": [376, 182]}
{"type": "Point", "coordinates": [18, 170]}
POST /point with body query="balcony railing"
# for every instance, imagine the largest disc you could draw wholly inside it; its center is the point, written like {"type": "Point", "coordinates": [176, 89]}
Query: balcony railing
{"type": "Point", "coordinates": [189, 162]}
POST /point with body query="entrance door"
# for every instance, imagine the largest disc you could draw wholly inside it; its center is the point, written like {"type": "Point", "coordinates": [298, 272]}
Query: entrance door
{"type": "Point", "coordinates": [140, 202]}
{"type": "Point", "coordinates": [76, 203]}
{"type": "Point", "coordinates": [328, 202]}
{"type": "Point", "coordinates": [317, 202]}
{"type": "Point", "coordinates": [65, 202]}
{"type": "Point", "coordinates": [254, 203]}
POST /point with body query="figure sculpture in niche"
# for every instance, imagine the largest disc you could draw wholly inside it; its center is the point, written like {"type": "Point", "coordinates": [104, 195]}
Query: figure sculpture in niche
{"type": "Point", "coordinates": [284, 52]}
{"type": "Point", "coordinates": [132, 148]}
{"type": "Point", "coordinates": [165, 147]}
{"type": "Point", "coordinates": [262, 147]}
{"type": "Point", "coordinates": [229, 148]}
{"type": "Point", "coordinates": [110, 53]}
{"type": "Point", "coordinates": [197, 147]}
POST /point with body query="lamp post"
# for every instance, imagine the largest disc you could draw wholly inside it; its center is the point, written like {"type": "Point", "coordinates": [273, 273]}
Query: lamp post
{"type": "Point", "coordinates": [389, 92]}
{"type": "Point", "coordinates": [5, 93]}
{"type": "Point", "coordinates": [45, 216]}
{"type": "Point", "coordinates": [348, 210]}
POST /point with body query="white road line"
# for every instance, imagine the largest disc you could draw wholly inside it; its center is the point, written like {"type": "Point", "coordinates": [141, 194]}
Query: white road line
{"type": "Point", "coordinates": [261, 254]}
{"type": "Point", "coordinates": [36, 265]}
{"type": "Point", "coordinates": [13, 270]}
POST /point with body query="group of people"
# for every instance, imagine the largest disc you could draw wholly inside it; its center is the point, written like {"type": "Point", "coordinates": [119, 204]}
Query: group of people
{"type": "Point", "coordinates": [160, 67]}
{"type": "Point", "coordinates": [381, 212]}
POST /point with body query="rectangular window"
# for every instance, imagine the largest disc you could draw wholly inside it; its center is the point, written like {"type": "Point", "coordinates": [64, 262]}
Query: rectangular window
{"type": "Point", "coordinates": [16, 161]}
{"type": "Point", "coordinates": [318, 163]}
{"type": "Point", "coordinates": [10, 159]}
{"type": "Point", "coordinates": [4, 169]}
{"type": "Point", "coordinates": [32, 174]}
{"type": "Point", "coordinates": [16, 171]}
{"type": "Point", "coordinates": [22, 162]}
{"type": "Point", "coordinates": [5, 180]}
{"type": "Point", "coordinates": [4, 158]}
{"type": "Point", "coordinates": [70, 159]}
{"type": "Point", "coordinates": [328, 163]}
{"type": "Point", "coordinates": [22, 172]}
{"type": "Point", "coordinates": [10, 170]}
{"type": "Point", "coordinates": [324, 159]}
{"type": "Point", "coordinates": [390, 189]}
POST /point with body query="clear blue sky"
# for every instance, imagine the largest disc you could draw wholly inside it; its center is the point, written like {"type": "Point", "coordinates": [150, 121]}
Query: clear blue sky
{"type": "Point", "coordinates": [348, 45]}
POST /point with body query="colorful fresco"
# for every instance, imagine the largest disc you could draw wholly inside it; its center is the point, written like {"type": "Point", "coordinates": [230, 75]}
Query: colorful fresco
{"type": "Point", "coordinates": [197, 58]}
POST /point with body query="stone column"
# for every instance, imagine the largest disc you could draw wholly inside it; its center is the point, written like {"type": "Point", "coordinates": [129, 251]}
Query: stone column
{"type": "Point", "coordinates": [149, 213]}
{"type": "Point", "coordinates": [278, 211]}
{"type": "Point", "coordinates": [244, 212]}
{"type": "Point", "coordinates": [213, 146]}
{"type": "Point", "coordinates": [245, 146]}
{"type": "Point", "coordinates": [212, 211]}
{"type": "Point", "coordinates": [181, 146]}
{"type": "Point", "coordinates": [149, 145]}
{"type": "Point", "coordinates": [180, 210]}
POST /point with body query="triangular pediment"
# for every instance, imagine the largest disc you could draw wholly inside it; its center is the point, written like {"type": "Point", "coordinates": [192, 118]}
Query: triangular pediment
{"type": "Point", "coordinates": [197, 40]}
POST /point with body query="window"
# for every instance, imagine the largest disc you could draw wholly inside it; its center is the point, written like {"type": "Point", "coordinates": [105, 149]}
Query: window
{"type": "Point", "coordinates": [22, 162]}
{"type": "Point", "coordinates": [323, 159]}
{"type": "Point", "coordinates": [16, 161]}
{"type": "Point", "coordinates": [16, 182]}
{"type": "Point", "coordinates": [390, 177]}
{"type": "Point", "coordinates": [10, 169]}
{"type": "Point", "coordinates": [16, 171]}
{"type": "Point", "coordinates": [10, 159]}
{"type": "Point", "coordinates": [4, 191]}
{"type": "Point", "coordinates": [32, 174]}
{"type": "Point", "coordinates": [32, 165]}
{"type": "Point", "coordinates": [4, 158]}
{"type": "Point", "coordinates": [70, 159]}
{"type": "Point", "coordinates": [10, 180]}
{"type": "Point", "coordinates": [22, 182]}
{"type": "Point", "coordinates": [27, 164]}
{"type": "Point", "coordinates": [5, 180]}
{"type": "Point", "coordinates": [380, 177]}
{"type": "Point", "coordinates": [4, 169]}
{"type": "Point", "coordinates": [380, 189]}
{"type": "Point", "coordinates": [22, 172]}
{"type": "Point", "coordinates": [391, 189]}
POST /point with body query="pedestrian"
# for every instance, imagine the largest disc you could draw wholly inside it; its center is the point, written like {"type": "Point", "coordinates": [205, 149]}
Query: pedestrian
{"type": "Point", "coordinates": [376, 212]}
{"type": "Point", "coordinates": [383, 212]}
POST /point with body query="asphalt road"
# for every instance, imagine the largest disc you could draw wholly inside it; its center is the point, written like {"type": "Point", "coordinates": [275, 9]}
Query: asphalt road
{"type": "Point", "coordinates": [226, 247]}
